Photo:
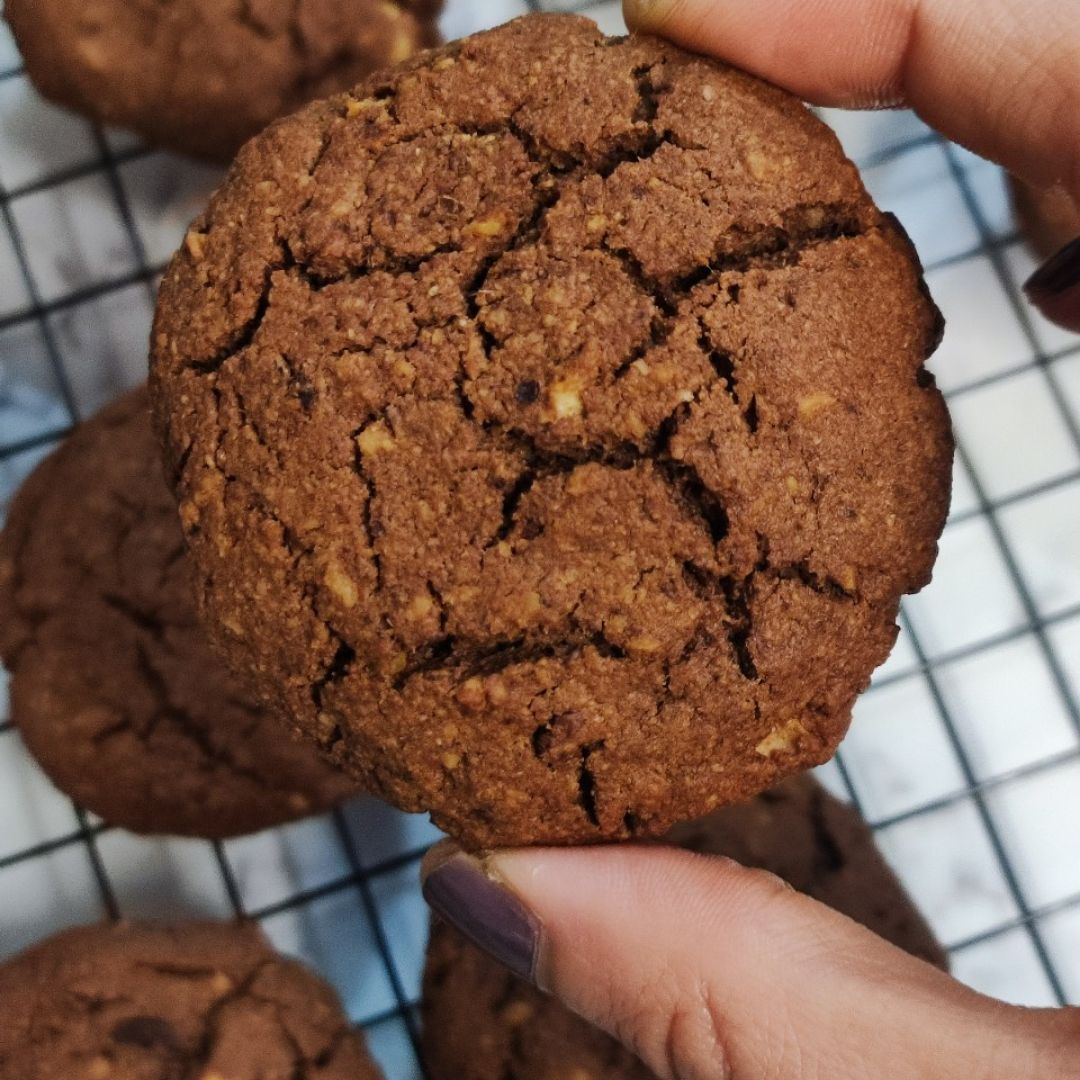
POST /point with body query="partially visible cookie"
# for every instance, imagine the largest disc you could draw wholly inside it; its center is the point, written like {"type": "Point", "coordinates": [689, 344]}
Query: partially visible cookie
{"type": "Point", "coordinates": [202, 76]}
{"type": "Point", "coordinates": [195, 1001]}
{"type": "Point", "coordinates": [823, 848]}
{"type": "Point", "coordinates": [549, 422]}
{"type": "Point", "coordinates": [1049, 217]}
{"type": "Point", "coordinates": [114, 687]}
{"type": "Point", "coordinates": [483, 1023]}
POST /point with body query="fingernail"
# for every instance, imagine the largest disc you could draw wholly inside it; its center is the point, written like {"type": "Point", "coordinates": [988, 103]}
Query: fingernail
{"type": "Point", "coordinates": [1055, 287]}
{"type": "Point", "coordinates": [1058, 273]}
{"type": "Point", "coordinates": [638, 13]}
{"type": "Point", "coordinates": [487, 913]}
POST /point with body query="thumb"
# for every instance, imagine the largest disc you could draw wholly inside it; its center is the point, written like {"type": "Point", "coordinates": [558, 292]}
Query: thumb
{"type": "Point", "coordinates": [998, 76]}
{"type": "Point", "coordinates": [709, 971]}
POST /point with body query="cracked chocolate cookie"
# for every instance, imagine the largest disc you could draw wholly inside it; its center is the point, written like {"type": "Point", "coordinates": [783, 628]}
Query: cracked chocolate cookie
{"type": "Point", "coordinates": [196, 1001]}
{"type": "Point", "coordinates": [483, 1023]}
{"type": "Point", "coordinates": [550, 430]}
{"type": "Point", "coordinates": [201, 76]}
{"type": "Point", "coordinates": [114, 687]}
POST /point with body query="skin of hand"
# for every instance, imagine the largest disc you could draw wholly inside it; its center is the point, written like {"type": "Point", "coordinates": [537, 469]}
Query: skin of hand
{"type": "Point", "coordinates": [1001, 77]}
{"type": "Point", "coordinates": [708, 970]}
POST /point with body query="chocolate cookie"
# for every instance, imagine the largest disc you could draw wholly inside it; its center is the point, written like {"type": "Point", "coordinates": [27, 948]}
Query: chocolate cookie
{"type": "Point", "coordinates": [482, 1023]}
{"type": "Point", "coordinates": [823, 848]}
{"type": "Point", "coordinates": [1049, 217]}
{"type": "Point", "coordinates": [114, 687]}
{"type": "Point", "coordinates": [198, 1001]}
{"type": "Point", "coordinates": [550, 428]}
{"type": "Point", "coordinates": [201, 76]}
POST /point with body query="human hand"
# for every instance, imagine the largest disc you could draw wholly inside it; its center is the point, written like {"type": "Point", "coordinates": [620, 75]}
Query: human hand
{"type": "Point", "coordinates": [1002, 77]}
{"type": "Point", "coordinates": [709, 971]}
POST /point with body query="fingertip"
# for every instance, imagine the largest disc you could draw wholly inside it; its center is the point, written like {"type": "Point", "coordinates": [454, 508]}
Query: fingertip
{"type": "Point", "coordinates": [645, 14]}
{"type": "Point", "coordinates": [467, 892]}
{"type": "Point", "coordinates": [436, 856]}
{"type": "Point", "coordinates": [1055, 287]}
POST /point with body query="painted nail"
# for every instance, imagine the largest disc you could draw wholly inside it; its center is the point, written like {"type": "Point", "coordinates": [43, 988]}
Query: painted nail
{"type": "Point", "coordinates": [1055, 287]}
{"type": "Point", "coordinates": [1058, 273]}
{"type": "Point", "coordinates": [487, 913]}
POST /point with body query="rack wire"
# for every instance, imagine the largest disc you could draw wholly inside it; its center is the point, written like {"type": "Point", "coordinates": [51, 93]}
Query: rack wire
{"type": "Point", "coordinates": [977, 815]}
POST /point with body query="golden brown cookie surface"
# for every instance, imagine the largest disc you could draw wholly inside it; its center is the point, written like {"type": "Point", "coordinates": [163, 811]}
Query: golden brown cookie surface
{"type": "Point", "coordinates": [201, 76]}
{"type": "Point", "coordinates": [195, 1001]}
{"type": "Point", "coordinates": [114, 687]}
{"type": "Point", "coordinates": [551, 433]}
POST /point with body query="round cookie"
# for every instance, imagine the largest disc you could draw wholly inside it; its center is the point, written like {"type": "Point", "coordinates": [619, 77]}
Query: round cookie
{"type": "Point", "coordinates": [114, 687]}
{"type": "Point", "coordinates": [1049, 217]}
{"type": "Point", "coordinates": [550, 429]}
{"type": "Point", "coordinates": [202, 76]}
{"type": "Point", "coordinates": [197, 1001]}
{"type": "Point", "coordinates": [483, 1023]}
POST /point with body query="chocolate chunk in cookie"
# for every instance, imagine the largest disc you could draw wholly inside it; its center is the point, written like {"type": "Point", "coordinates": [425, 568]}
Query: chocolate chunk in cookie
{"type": "Point", "coordinates": [196, 1001]}
{"type": "Point", "coordinates": [114, 687]}
{"type": "Point", "coordinates": [483, 1023]}
{"type": "Point", "coordinates": [201, 76]}
{"type": "Point", "coordinates": [550, 428]}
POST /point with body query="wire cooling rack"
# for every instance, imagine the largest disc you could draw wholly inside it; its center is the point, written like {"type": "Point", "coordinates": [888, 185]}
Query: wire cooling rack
{"type": "Point", "coordinates": [965, 753]}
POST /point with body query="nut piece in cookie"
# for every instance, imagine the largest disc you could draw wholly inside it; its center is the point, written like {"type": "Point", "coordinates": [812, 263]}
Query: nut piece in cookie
{"type": "Point", "coordinates": [483, 1023]}
{"type": "Point", "coordinates": [198, 1000]}
{"type": "Point", "coordinates": [549, 424]}
{"type": "Point", "coordinates": [202, 76]}
{"type": "Point", "coordinates": [114, 688]}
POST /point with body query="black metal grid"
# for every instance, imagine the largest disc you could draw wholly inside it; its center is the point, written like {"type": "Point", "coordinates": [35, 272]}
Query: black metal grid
{"type": "Point", "coordinates": [360, 879]}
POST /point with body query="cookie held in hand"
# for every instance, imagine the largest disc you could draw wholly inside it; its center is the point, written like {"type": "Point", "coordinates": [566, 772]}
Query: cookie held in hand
{"type": "Point", "coordinates": [483, 1023]}
{"type": "Point", "coordinates": [550, 430]}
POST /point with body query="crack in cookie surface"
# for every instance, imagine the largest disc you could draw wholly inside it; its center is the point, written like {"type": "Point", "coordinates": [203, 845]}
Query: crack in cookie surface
{"type": "Point", "coordinates": [145, 66]}
{"type": "Point", "coordinates": [598, 405]}
{"type": "Point", "coordinates": [111, 671]}
{"type": "Point", "coordinates": [192, 1000]}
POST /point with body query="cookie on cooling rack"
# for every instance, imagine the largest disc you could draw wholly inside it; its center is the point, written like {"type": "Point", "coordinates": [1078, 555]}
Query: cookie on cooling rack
{"type": "Point", "coordinates": [201, 76]}
{"type": "Point", "coordinates": [209, 1001]}
{"type": "Point", "coordinates": [114, 687]}
{"type": "Point", "coordinates": [483, 1023]}
{"type": "Point", "coordinates": [550, 429]}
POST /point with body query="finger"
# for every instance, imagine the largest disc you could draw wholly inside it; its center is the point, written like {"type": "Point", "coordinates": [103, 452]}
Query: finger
{"type": "Point", "coordinates": [1055, 287]}
{"type": "Point", "coordinates": [999, 76]}
{"type": "Point", "coordinates": [710, 971]}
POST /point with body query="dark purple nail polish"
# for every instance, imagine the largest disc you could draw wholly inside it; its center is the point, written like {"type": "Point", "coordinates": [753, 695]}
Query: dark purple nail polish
{"type": "Point", "coordinates": [1058, 274]}
{"type": "Point", "coordinates": [1055, 287]}
{"type": "Point", "coordinates": [489, 915]}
